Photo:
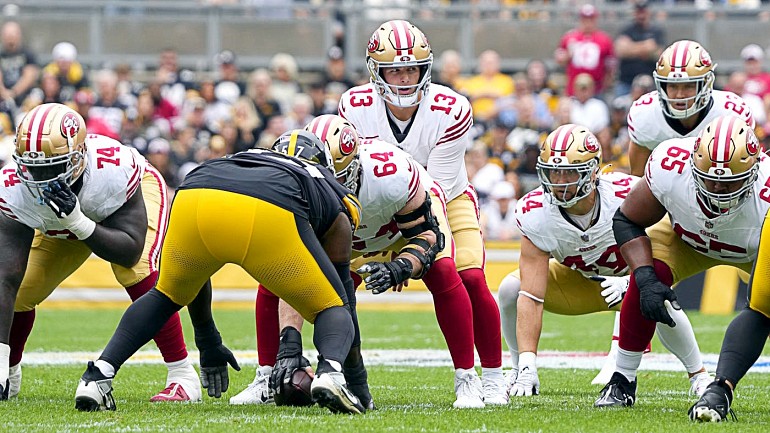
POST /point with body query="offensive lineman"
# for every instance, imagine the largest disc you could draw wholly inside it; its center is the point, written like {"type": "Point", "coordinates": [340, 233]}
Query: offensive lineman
{"type": "Point", "coordinates": [431, 122]}
{"type": "Point", "coordinates": [68, 194]}
{"type": "Point", "coordinates": [713, 188]}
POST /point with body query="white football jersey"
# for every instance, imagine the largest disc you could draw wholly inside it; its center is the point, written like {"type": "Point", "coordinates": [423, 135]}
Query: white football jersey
{"type": "Point", "coordinates": [647, 124]}
{"type": "Point", "coordinates": [389, 179]}
{"type": "Point", "coordinates": [437, 138]}
{"type": "Point", "coordinates": [733, 237]}
{"type": "Point", "coordinates": [112, 175]}
{"type": "Point", "coordinates": [591, 252]}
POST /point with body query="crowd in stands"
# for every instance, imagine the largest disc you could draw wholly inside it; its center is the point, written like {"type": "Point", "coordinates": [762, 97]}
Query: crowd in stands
{"type": "Point", "coordinates": [179, 118]}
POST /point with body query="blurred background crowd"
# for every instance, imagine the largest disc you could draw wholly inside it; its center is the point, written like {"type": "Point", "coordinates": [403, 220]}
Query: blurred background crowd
{"type": "Point", "coordinates": [179, 115]}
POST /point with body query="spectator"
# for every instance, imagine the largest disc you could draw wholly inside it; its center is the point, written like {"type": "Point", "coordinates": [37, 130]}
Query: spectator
{"type": "Point", "coordinates": [84, 101]}
{"type": "Point", "coordinates": [484, 88]}
{"type": "Point", "coordinates": [49, 90]}
{"type": "Point", "coordinates": [217, 110]}
{"type": "Point", "coordinates": [590, 111]}
{"type": "Point", "coordinates": [586, 49]}
{"type": "Point", "coordinates": [228, 87]}
{"type": "Point", "coordinates": [275, 127]}
{"type": "Point", "coordinates": [637, 47]}
{"type": "Point", "coordinates": [260, 91]}
{"type": "Point", "coordinates": [107, 105]}
{"type": "Point", "coordinates": [18, 65]}
{"type": "Point", "coordinates": [336, 80]}
{"type": "Point", "coordinates": [145, 123]}
{"type": "Point", "coordinates": [497, 220]}
{"type": "Point", "coordinates": [322, 104]}
{"type": "Point", "coordinates": [159, 155]}
{"type": "Point", "coordinates": [246, 121]}
{"type": "Point", "coordinates": [482, 172]}
{"type": "Point", "coordinates": [757, 80]}
{"type": "Point", "coordinates": [175, 82]}
{"type": "Point", "coordinates": [71, 74]}
{"type": "Point", "coordinates": [738, 83]}
{"type": "Point", "coordinates": [451, 69]}
{"type": "Point", "coordinates": [540, 83]}
{"type": "Point", "coordinates": [525, 174]}
{"type": "Point", "coordinates": [285, 86]}
{"type": "Point", "coordinates": [301, 112]}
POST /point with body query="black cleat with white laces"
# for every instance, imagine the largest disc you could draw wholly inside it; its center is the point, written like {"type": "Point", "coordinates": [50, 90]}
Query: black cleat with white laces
{"type": "Point", "coordinates": [618, 392]}
{"type": "Point", "coordinates": [714, 404]}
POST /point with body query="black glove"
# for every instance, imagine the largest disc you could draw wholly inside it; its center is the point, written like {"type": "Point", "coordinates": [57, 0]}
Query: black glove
{"type": "Point", "coordinates": [289, 359]}
{"type": "Point", "coordinates": [214, 362]}
{"type": "Point", "coordinates": [652, 294]}
{"type": "Point", "coordinates": [60, 198]}
{"type": "Point", "coordinates": [383, 276]}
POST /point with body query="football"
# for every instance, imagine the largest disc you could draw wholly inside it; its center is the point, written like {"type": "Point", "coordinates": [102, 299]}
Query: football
{"type": "Point", "coordinates": [295, 392]}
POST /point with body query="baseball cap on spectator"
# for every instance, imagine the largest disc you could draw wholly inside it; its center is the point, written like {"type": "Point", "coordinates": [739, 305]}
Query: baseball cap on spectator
{"type": "Point", "coordinates": [225, 57]}
{"type": "Point", "coordinates": [641, 4]}
{"type": "Point", "coordinates": [752, 52]}
{"type": "Point", "coordinates": [335, 53]}
{"type": "Point", "coordinates": [502, 190]}
{"type": "Point", "coordinates": [64, 51]}
{"type": "Point", "coordinates": [588, 11]}
{"type": "Point", "coordinates": [158, 145]}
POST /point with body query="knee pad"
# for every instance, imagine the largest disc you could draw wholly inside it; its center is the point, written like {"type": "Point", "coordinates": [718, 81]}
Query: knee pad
{"type": "Point", "coordinates": [508, 292]}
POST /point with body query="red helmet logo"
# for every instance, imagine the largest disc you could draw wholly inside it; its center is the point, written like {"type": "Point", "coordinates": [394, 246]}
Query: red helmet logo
{"type": "Point", "coordinates": [347, 141]}
{"type": "Point", "coordinates": [374, 42]}
{"type": "Point", "coordinates": [752, 144]}
{"type": "Point", "coordinates": [591, 144]}
{"type": "Point", "coordinates": [705, 58]}
{"type": "Point", "coordinates": [697, 144]}
{"type": "Point", "coordinates": [70, 125]}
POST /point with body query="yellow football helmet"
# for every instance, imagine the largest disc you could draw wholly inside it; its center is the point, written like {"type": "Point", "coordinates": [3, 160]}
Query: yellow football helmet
{"type": "Point", "coordinates": [570, 155]}
{"type": "Point", "coordinates": [342, 140]}
{"type": "Point", "coordinates": [726, 151]}
{"type": "Point", "coordinates": [399, 43]}
{"type": "Point", "coordinates": [685, 62]}
{"type": "Point", "coordinates": [302, 144]}
{"type": "Point", "coordinates": [50, 145]}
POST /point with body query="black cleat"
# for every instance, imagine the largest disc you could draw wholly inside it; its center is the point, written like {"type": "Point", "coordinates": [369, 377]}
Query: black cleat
{"type": "Point", "coordinates": [363, 394]}
{"type": "Point", "coordinates": [618, 392]}
{"type": "Point", "coordinates": [714, 404]}
{"type": "Point", "coordinates": [330, 391]}
{"type": "Point", "coordinates": [4, 388]}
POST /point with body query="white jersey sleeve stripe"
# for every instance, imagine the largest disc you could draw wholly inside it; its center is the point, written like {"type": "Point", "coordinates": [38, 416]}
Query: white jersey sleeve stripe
{"type": "Point", "coordinates": [160, 234]}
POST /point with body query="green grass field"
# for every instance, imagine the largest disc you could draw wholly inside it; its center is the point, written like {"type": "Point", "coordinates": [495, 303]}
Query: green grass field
{"type": "Point", "coordinates": [410, 398]}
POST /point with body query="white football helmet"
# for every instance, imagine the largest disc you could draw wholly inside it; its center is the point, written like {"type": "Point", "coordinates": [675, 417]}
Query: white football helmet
{"type": "Point", "coordinates": [726, 151]}
{"type": "Point", "coordinates": [570, 155]}
{"type": "Point", "coordinates": [685, 62]}
{"type": "Point", "coordinates": [50, 145]}
{"type": "Point", "coordinates": [399, 43]}
{"type": "Point", "coordinates": [342, 140]}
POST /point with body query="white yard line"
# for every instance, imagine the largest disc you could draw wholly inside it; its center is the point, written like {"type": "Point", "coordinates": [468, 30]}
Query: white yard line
{"type": "Point", "coordinates": [412, 358]}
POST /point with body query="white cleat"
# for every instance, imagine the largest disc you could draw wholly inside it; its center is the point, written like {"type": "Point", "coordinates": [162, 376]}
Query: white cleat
{"type": "Point", "coordinates": [495, 388]}
{"type": "Point", "coordinates": [468, 389]}
{"type": "Point", "coordinates": [182, 385]}
{"type": "Point", "coordinates": [258, 391]}
{"type": "Point", "coordinates": [329, 391]}
{"type": "Point", "coordinates": [94, 392]}
{"type": "Point", "coordinates": [14, 378]}
{"type": "Point", "coordinates": [700, 382]}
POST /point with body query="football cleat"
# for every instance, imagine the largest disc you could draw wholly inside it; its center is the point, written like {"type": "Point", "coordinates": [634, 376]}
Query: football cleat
{"type": "Point", "coordinates": [618, 392]}
{"type": "Point", "coordinates": [14, 378]}
{"type": "Point", "coordinates": [94, 391]}
{"type": "Point", "coordinates": [4, 387]}
{"type": "Point", "coordinates": [182, 384]}
{"type": "Point", "coordinates": [468, 390]}
{"type": "Point", "coordinates": [714, 404]}
{"type": "Point", "coordinates": [364, 395]}
{"type": "Point", "coordinates": [699, 383]}
{"type": "Point", "coordinates": [329, 391]}
{"type": "Point", "coordinates": [258, 391]}
{"type": "Point", "coordinates": [494, 388]}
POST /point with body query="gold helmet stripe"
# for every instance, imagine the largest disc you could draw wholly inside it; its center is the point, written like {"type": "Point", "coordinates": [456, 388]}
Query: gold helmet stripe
{"type": "Point", "coordinates": [292, 150]}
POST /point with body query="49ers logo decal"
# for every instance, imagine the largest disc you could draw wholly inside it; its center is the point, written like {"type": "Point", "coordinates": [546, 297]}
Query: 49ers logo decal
{"type": "Point", "coordinates": [591, 144]}
{"type": "Point", "coordinates": [70, 125]}
{"type": "Point", "coordinates": [374, 42]}
{"type": "Point", "coordinates": [752, 143]}
{"type": "Point", "coordinates": [347, 141]}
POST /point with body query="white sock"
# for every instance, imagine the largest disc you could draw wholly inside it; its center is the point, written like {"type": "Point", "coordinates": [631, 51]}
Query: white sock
{"type": "Point", "coordinates": [508, 295]}
{"type": "Point", "coordinates": [491, 372]}
{"type": "Point", "coordinates": [335, 365]}
{"type": "Point", "coordinates": [184, 363]}
{"type": "Point", "coordinates": [105, 367]}
{"type": "Point", "coordinates": [680, 340]}
{"type": "Point", "coordinates": [5, 354]}
{"type": "Point", "coordinates": [627, 363]}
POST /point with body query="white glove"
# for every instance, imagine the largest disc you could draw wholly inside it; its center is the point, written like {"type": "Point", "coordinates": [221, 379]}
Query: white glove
{"type": "Point", "coordinates": [614, 288]}
{"type": "Point", "coordinates": [527, 383]}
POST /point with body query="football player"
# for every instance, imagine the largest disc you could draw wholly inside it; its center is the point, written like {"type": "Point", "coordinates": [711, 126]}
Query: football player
{"type": "Point", "coordinates": [683, 103]}
{"type": "Point", "coordinates": [68, 194]}
{"type": "Point", "coordinates": [431, 122]}
{"type": "Point", "coordinates": [401, 236]}
{"type": "Point", "coordinates": [743, 342]}
{"type": "Point", "coordinates": [299, 214]}
{"type": "Point", "coordinates": [567, 218]}
{"type": "Point", "coordinates": [714, 189]}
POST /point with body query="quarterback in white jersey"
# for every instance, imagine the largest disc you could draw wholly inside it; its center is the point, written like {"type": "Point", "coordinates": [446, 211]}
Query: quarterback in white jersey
{"type": "Point", "coordinates": [570, 263]}
{"type": "Point", "coordinates": [683, 103]}
{"type": "Point", "coordinates": [67, 195]}
{"type": "Point", "coordinates": [432, 123]}
{"type": "Point", "coordinates": [713, 188]}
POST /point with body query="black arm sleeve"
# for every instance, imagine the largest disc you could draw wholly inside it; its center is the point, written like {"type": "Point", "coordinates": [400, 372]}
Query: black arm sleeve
{"type": "Point", "coordinates": [624, 229]}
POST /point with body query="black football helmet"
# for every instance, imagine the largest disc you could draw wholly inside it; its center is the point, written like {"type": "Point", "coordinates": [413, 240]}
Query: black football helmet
{"type": "Point", "coordinates": [306, 145]}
